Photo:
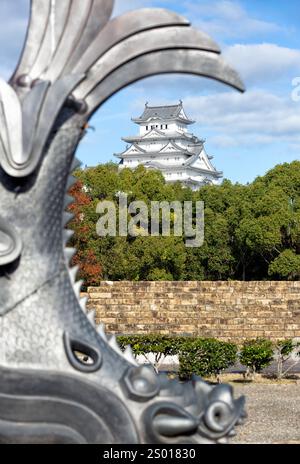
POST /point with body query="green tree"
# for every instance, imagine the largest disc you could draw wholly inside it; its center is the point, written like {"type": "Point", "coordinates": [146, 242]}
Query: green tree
{"type": "Point", "coordinates": [251, 231]}
{"type": "Point", "coordinates": [285, 266]}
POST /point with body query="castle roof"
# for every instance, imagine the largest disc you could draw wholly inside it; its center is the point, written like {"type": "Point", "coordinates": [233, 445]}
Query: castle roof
{"type": "Point", "coordinates": [165, 112]}
{"type": "Point", "coordinates": [156, 134]}
{"type": "Point", "coordinates": [176, 167]}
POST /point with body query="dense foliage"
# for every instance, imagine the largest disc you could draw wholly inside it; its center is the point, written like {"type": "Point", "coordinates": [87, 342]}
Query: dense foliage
{"type": "Point", "coordinates": [206, 356]}
{"type": "Point", "coordinates": [251, 231]}
{"type": "Point", "coordinates": [256, 354]}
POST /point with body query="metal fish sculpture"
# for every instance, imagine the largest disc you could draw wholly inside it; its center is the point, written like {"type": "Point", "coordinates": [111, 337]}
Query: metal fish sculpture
{"type": "Point", "coordinates": [74, 59]}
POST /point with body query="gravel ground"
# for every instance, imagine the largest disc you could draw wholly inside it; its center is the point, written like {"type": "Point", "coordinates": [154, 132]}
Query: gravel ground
{"type": "Point", "coordinates": [273, 414]}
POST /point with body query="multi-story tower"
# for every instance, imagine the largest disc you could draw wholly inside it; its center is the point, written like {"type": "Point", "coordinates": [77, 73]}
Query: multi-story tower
{"type": "Point", "coordinates": [164, 143]}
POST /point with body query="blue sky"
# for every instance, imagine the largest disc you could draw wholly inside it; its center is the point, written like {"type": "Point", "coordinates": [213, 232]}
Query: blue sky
{"type": "Point", "coordinates": [247, 133]}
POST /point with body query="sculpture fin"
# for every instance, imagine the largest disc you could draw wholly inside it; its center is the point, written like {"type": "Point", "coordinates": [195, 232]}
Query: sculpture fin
{"type": "Point", "coordinates": [91, 317]}
{"type": "Point", "coordinates": [124, 26]}
{"type": "Point", "coordinates": [197, 62]}
{"type": "Point", "coordinates": [128, 355]}
{"type": "Point", "coordinates": [83, 303]}
{"type": "Point", "coordinates": [77, 287]}
{"type": "Point", "coordinates": [68, 200]}
{"type": "Point", "coordinates": [114, 344]}
{"type": "Point", "coordinates": [139, 44]}
{"type": "Point", "coordinates": [67, 217]}
{"type": "Point", "coordinates": [67, 234]}
{"type": "Point", "coordinates": [73, 272]}
{"type": "Point", "coordinates": [69, 253]}
{"type": "Point", "coordinates": [101, 331]}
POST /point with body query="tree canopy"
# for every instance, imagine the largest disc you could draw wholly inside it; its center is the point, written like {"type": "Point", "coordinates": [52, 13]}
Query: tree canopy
{"type": "Point", "coordinates": [251, 231]}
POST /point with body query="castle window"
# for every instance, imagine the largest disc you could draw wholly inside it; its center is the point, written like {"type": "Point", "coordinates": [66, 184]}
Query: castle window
{"type": "Point", "coordinates": [146, 127]}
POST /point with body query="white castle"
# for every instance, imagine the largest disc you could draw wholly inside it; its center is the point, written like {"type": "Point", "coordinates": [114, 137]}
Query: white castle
{"type": "Point", "coordinates": [164, 143]}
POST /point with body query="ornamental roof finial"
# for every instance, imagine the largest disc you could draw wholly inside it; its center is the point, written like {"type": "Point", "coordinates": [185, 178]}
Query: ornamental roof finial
{"type": "Point", "coordinates": [146, 104]}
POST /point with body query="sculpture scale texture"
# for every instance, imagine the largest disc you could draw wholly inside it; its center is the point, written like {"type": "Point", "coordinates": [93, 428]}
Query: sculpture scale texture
{"type": "Point", "coordinates": [73, 60]}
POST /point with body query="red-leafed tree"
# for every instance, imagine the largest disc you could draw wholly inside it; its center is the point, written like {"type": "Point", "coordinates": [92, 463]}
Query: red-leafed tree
{"type": "Point", "coordinates": [83, 240]}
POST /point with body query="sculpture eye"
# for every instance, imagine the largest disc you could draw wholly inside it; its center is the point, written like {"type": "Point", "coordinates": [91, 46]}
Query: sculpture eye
{"type": "Point", "coordinates": [81, 355]}
{"type": "Point", "coordinates": [83, 358]}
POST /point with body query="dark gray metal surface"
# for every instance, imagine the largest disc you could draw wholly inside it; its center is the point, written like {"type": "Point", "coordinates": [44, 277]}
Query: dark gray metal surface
{"type": "Point", "coordinates": [74, 58]}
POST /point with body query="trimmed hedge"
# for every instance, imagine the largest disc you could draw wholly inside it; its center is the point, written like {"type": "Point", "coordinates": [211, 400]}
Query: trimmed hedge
{"type": "Point", "coordinates": [208, 356]}
{"type": "Point", "coordinates": [256, 354]}
{"type": "Point", "coordinates": [160, 345]}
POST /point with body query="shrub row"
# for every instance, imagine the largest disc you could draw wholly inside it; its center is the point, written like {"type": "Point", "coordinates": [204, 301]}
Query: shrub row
{"type": "Point", "coordinates": [209, 356]}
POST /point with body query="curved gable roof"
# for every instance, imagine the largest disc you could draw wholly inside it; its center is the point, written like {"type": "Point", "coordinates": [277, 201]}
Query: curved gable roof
{"type": "Point", "coordinates": [163, 112]}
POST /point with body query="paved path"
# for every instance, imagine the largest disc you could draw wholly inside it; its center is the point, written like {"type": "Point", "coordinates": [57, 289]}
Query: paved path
{"type": "Point", "coordinates": [273, 414]}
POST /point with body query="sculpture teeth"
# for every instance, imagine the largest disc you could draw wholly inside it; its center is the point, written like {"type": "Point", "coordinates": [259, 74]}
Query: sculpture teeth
{"type": "Point", "coordinates": [67, 234]}
{"type": "Point", "coordinates": [68, 200]}
{"type": "Point", "coordinates": [73, 273]}
{"type": "Point", "coordinates": [75, 164]}
{"type": "Point", "coordinates": [77, 287]}
{"type": "Point", "coordinates": [67, 217]}
{"type": "Point", "coordinates": [83, 303]}
{"type": "Point", "coordinates": [69, 253]}
{"type": "Point", "coordinates": [70, 182]}
{"type": "Point", "coordinates": [91, 317]}
{"type": "Point", "coordinates": [101, 332]}
{"type": "Point", "coordinates": [114, 344]}
{"type": "Point", "coordinates": [128, 355]}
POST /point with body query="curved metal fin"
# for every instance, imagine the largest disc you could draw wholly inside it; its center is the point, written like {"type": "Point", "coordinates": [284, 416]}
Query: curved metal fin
{"type": "Point", "coordinates": [197, 62]}
{"type": "Point", "coordinates": [122, 27]}
{"type": "Point", "coordinates": [4, 142]}
{"type": "Point", "coordinates": [11, 129]}
{"type": "Point", "coordinates": [39, 20]}
{"type": "Point", "coordinates": [32, 103]}
{"type": "Point", "coordinates": [58, 17]}
{"type": "Point", "coordinates": [53, 103]}
{"type": "Point", "coordinates": [139, 44]}
{"type": "Point", "coordinates": [99, 16]}
{"type": "Point", "coordinates": [73, 30]}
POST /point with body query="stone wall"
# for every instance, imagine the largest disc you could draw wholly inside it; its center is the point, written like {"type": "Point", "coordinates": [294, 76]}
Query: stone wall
{"type": "Point", "coordinates": [226, 310]}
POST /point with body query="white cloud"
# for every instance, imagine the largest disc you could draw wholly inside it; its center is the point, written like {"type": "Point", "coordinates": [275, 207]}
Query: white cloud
{"type": "Point", "coordinates": [263, 62]}
{"type": "Point", "coordinates": [227, 19]}
{"type": "Point", "coordinates": [256, 117]}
